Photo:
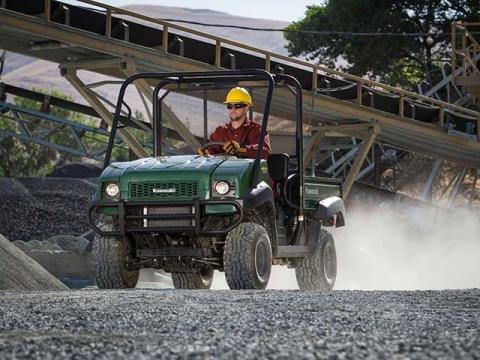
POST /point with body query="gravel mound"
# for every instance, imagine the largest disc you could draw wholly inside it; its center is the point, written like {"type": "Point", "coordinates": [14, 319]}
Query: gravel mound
{"type": "Point", "coordinates": [12, 189]}
{"type": "Point", "coordinates": [39, 208]}
{"type": "Point", "coordinates": [76, 244]}
{"type": "Point", "coordinates": [77, 170]}
{"type": "Point", "coordinates": [175, 324]}
{"type": "Point", "coordinates": [19, 272]}
{"type": "Point", "coordinates": [35, 245]}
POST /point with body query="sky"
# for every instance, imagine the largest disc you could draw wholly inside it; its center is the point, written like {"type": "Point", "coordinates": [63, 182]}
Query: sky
{"type": "Point", "coordinates": [265, 9]}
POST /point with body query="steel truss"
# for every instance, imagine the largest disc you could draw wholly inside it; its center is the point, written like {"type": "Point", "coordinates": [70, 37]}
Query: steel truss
{"type": "Point", "coordinates": [65, 135]}
{"type": "Point", "coordinates": [352, 157]}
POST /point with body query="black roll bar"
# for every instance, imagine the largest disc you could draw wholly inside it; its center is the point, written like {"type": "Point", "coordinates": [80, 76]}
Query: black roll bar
{"type": "Point", "coordinates": [192, 77]}
{"type": "Point", "coordinates": [297, 91]}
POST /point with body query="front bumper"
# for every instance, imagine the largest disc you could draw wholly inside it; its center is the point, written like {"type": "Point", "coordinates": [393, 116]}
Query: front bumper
{"type": "Point", "coordinates": [147, 217]}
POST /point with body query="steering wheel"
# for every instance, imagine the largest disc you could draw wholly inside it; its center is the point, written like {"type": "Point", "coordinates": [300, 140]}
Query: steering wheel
{"type": "Point", "coordinates": [211, 143]}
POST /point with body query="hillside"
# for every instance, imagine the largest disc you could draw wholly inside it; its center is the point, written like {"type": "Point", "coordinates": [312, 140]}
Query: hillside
{"type": "Point", "coordinates": [272, 41]}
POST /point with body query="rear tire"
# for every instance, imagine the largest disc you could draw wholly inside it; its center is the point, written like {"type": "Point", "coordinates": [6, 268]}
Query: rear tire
{"type": "Point", "coordinates": [318, 270]}
{"type": "Point", "coordinates": [201, 279]}
{"type": "Point", "coordinates": [247, 257]}
{"type": "Point", "coordinates": [110, 256]}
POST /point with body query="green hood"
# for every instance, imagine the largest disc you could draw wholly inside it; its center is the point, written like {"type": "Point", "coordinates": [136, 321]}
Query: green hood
{"type": "Point", "coordinates": [184, 170]}
{"type": "Point", "coordinates": [185, 165]}
{"type": "Point", "coordinates": [191, 175]}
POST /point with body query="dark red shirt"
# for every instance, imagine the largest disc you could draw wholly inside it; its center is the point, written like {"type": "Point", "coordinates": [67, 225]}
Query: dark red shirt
{"type": "Point", "coordinates": [246, 135]}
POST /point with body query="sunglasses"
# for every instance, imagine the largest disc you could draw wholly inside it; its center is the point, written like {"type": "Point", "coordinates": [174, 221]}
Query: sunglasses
{"type": "Point", "coordinates": [236, 106]}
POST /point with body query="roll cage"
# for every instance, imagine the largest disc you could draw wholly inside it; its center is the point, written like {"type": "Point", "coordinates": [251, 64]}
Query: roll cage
{"type": "Point", "coordinates": [213, 80]}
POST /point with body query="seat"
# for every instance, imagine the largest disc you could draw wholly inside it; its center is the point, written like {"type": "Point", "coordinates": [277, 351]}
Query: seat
{"type": "Point", "coordinates": [278, 167]}
{"type": "Point", "coordinates": [289, 191]}
{"type": "Point", "coordinates": [286, 182]}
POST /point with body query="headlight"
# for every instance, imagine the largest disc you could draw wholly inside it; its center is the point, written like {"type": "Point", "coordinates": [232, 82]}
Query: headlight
{"type": "Point", "coordinates": [112, 190]}
{"type": "Point", "coordinates": [222, 188]}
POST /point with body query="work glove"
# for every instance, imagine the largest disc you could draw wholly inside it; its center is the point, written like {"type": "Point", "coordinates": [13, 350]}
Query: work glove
{"type": "Point", "coordinates": [233, 148]}
{"type": "Point", "coordinates": [203, 152]}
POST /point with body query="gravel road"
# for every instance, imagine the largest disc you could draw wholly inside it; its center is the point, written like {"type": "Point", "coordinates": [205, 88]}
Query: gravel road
{"type": "Point", "coordinates": [144, 324]}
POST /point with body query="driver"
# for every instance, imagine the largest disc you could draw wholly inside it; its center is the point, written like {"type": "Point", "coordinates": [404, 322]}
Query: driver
{"type": "Point", "coordinates": [240, 135]}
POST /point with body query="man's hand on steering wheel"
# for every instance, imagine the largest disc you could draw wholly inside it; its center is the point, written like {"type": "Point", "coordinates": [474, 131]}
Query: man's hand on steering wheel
{"type": "Point", "coordinates": [230, 147]}
{"type": "Point", "coordinates": [204, 151]}
{"type": "Point", "coordinates": [233, 148]}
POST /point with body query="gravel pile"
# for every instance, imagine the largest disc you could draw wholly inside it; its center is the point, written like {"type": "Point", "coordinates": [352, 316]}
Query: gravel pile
{"type": "Point", "coordinates": [75, 244]}
{"type": "Point", "coordinates": [39, 208]}
{"type": "Point", "coordinates": [173, 324]}
{"type": "Point", "coordinates": [77, 170]}
{"type": "Point", "coordinates": [19, 272]}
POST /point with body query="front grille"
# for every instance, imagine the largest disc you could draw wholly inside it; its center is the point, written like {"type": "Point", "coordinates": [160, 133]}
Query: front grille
{"type": "Point", "coordinates": [163, 190]}
{"type": "Point", "coordinates": [174, 210]}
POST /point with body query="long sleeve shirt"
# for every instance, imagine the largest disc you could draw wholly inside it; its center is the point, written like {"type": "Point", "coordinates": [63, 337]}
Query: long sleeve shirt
{"type": "Point", "coordinates": [247, 135]}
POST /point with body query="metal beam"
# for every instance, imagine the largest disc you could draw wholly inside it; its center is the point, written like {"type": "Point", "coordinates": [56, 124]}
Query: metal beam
{"type": "Point", "coordinates": [312, 147]}
{"type": "Point", "coordinates": [43, 125]}
{"type": "Point", "coordinates": [409, 134]}
{"type": "Point", "coordinates": [365, 171]}
{"type": "Point", "coordinates": [48, 45]}
{"type": "Point", "coordinates": [342, 160]}
{"type": "Point", "coordinates": [456, 188]}
{"type": "Point", "coordinates": [176, 123]}
{"type": "Point", "coordinates": [345, 127]}
{"type": "Point", "coordinates": [94, 64]}
{"type": "Point", "coordinates": [427, 188]}
{"type": "Point", "coordinates": [98, 43]}
{"type": "Point", "coordinates": [127, 138]}
{"type": "Point", "coordinates": [361, 131]}
{"type": "Point", "coordinates": [365, 147]}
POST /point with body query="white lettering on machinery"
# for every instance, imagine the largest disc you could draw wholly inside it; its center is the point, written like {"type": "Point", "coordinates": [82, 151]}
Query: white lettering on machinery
{"type": "Point", "coordinates": [164, 191]}
{"type": "Point", "coordinates": [310, 191]}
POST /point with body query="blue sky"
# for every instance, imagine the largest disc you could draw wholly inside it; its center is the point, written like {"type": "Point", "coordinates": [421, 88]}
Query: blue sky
{"type": "Point", "coordinates": [267, 9]}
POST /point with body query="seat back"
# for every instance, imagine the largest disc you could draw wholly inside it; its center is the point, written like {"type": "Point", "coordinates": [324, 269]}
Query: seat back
{"type": "Point", "coordinates": [278, 166]}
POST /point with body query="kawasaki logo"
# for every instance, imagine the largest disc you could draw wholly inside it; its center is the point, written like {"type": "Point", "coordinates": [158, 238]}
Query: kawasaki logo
{"type": "Point", "coordinates": [311, 191]}
{"type": "Point", "coordinates": [164, 191]}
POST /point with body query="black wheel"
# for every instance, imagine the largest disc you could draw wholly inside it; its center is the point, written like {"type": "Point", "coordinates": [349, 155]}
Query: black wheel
{"type": "Point", "coordinates": [201, 279]}
{"type": "Point", "coordinates": [111, 256]}
{"type": "Point", "coordinates": [247, 257]}
{"type": "Point", "coordinates": [318, 270]}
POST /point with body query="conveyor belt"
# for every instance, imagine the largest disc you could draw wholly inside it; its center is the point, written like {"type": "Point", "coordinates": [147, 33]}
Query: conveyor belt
{"type": "Point", "coordinates": [78, 37]}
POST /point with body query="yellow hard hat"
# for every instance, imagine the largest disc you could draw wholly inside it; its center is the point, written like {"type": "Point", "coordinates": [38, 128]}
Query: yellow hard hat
{"type": "Point", "coordinates": [238, 95]}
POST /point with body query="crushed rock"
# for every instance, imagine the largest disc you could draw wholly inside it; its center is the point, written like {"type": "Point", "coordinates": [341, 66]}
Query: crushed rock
{"type": "Point", "coordinates": [39, 208]}
{"type": "Point", "coordinates": [20, 272]}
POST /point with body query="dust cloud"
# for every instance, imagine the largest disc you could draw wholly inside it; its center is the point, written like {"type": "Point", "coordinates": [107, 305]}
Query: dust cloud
{"type": "Point", "coordinates": [408, 248]}
{"type": "Point", "coordinates": [400, 247]}
{"type": "Point", "coordinates": [394, 247]}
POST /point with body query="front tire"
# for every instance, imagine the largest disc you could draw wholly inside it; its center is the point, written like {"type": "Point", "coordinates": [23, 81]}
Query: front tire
{"type": "Point", "coordinates": [318, 270]}
{"type": "Point", "coordinates": [111, 255]}
{"type": "Point", "coordinates": [201, 279]}
{"type": "Point", "coordinates": [247, 257]}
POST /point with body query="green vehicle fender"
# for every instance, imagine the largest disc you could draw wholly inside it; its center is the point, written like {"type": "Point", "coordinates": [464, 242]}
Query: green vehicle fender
{"type": "Point", "coordinates": [239, 172]}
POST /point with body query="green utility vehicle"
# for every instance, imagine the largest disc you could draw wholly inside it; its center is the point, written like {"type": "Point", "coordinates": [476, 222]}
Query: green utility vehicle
{"type": "Point", "coordinates": [190, 215]}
